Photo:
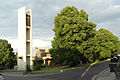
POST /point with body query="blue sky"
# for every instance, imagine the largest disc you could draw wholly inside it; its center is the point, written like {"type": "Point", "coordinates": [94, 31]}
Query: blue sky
{"type": "Point", "coordinates": [105, 13]}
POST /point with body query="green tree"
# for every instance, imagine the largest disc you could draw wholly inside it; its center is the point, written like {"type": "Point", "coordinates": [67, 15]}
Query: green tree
{"type": "Point", "coordinates": [7, 56]}
{"type": "Point", "coordinates": [103, 45]}
{"type": "Point", "coordinates": [108, 43]}
{"type": "Point", "coordinates": [72, 28]}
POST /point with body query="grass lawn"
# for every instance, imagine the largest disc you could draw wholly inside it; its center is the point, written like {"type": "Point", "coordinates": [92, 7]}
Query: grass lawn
{"type": "Point", "coordinates": [9, 70]}
{"type": "Point", "coordinates": [57, 70]}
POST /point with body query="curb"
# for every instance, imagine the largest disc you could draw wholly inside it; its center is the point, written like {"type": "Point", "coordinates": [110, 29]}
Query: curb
{"type": "Point", "coordinates": [95, 76]}
{"type": "Point", "coordinates": [99, 76]}
{"type": "Point", "coordinates": [26, 75]}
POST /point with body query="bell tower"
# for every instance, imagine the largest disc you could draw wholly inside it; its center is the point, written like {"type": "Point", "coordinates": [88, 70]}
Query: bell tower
{"type": "Point", "coordinates": [24, 38]}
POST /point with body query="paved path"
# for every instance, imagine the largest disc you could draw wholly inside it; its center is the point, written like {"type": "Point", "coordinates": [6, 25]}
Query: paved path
{"type": "Point", "coordinates": [105, 75]}
{"type": "Point", "coordinates": [73, 75]}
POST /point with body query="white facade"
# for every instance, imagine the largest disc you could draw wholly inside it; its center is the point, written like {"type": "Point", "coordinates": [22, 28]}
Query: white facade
{"type": "Point", "coordinates": [25, 38]}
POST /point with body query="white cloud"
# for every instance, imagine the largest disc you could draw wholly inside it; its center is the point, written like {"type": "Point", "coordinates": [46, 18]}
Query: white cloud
{"type": "Point", "coordinates": [105, 13]}
{"type": "Point", "coordinates": [14, 43]}
{"type": "Point", "coordinates": [36, 43]}
{"type": "Point", "coordinates": [116, 6]}
{"type": "Point", "coordinates": [108, 14]}
{"type": "Point", "coordinates": [41, 43]}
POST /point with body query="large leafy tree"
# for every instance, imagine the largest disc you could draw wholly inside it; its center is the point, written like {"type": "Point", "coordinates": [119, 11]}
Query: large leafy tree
{"type": "Point", "coordinates": [72, 28]}
{"type": "Point", "coordinates": [7, 57]}
{"type": "Point", "coordinates": [108, 43]}
{"type": "Point", "coordinates": [103, 45]}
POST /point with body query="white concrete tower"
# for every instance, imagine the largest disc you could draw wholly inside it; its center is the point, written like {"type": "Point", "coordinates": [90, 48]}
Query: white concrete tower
{"type": "Point", "coordinates": [24, 38]}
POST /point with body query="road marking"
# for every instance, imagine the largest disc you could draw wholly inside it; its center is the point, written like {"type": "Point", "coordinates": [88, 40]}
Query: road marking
{"type": "Point", "coordinates": [83, 74]}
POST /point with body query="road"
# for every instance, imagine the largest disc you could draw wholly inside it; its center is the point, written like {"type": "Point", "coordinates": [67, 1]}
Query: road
{"type": "Point", "coordinates": [73, 75]}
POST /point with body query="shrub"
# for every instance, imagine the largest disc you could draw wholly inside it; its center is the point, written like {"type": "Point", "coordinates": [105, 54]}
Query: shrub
{"type": "Point", "coordinates": [38, 64]}
{"type": "Point", "coordinates": [37, 67]}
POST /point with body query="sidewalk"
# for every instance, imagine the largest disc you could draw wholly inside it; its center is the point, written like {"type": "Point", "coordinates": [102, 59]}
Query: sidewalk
{"type": "Point", "coordinates": [105, 75]}
{"type": "Point", "coordinates": [21, 74]}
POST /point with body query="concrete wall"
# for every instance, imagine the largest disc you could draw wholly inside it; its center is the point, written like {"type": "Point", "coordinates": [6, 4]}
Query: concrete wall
{"type": "Point", "coordinates": [22, 38]}
{"type": "Point", "coordinates": [31, 54]}
{"type": "Point", "coordinates": [25, 39]}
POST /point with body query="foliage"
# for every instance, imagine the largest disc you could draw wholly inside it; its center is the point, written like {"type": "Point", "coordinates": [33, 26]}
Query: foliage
{"type": "Point", "coordinates": [37, 67]}
{"type": "Point", "coordinates": [37, 64]}
{"type": "Point", "coordinates": [76, 39]}
{"type": "Point", "coordinates": [108, 43]}
{"type": "Point", "coordinates": [103, 45]}
{"type": "Point", "coordinates": [7, 57]}
{"type": "Point", "coordinates": [72, 28]}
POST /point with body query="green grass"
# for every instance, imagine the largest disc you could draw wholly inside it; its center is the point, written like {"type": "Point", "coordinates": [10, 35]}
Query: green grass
{"type": "Point", "coordinates": [65, 69]}
{"type": "Point", "coordinates": [50, 70]}
{"type": "Point", "coordinates": [57, 70]}
{"type": "Point", "coordinates": [9, 70]}
{"type": "Point", "coordinates": [54, 70]}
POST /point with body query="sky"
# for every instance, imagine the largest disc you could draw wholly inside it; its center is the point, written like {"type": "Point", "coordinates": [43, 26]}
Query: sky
{"type": "Point", "coordinates": [105, 13]}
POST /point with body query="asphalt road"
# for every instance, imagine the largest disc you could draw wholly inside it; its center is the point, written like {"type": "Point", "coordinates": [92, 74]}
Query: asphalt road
{"type": "Point", "coordinates": [73, 75]}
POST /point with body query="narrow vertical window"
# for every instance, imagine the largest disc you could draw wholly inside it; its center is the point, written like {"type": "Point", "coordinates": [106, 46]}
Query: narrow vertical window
{"type": "Point", "coordinates": [28, 20]}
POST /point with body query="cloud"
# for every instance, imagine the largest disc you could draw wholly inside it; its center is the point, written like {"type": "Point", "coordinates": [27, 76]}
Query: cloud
{"type": "Point", "coordinates": [41, 43]}
{"type": "Point", "coordinates": [36, 43]}
{"type": "Point", "coordinates": [105, 13]}
{"type": "Point", "coordinates": [14, 43]}
{"type": "Point", "coordinates": [115, 2]}
{"type": "Point", "coordinates": [109, 14]}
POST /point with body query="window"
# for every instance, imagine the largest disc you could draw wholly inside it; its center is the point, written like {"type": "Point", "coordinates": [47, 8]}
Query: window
{"type": "Point", "coordinates": [27, 20]}
{"type": "Point", "coordinates": [20, 57]}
